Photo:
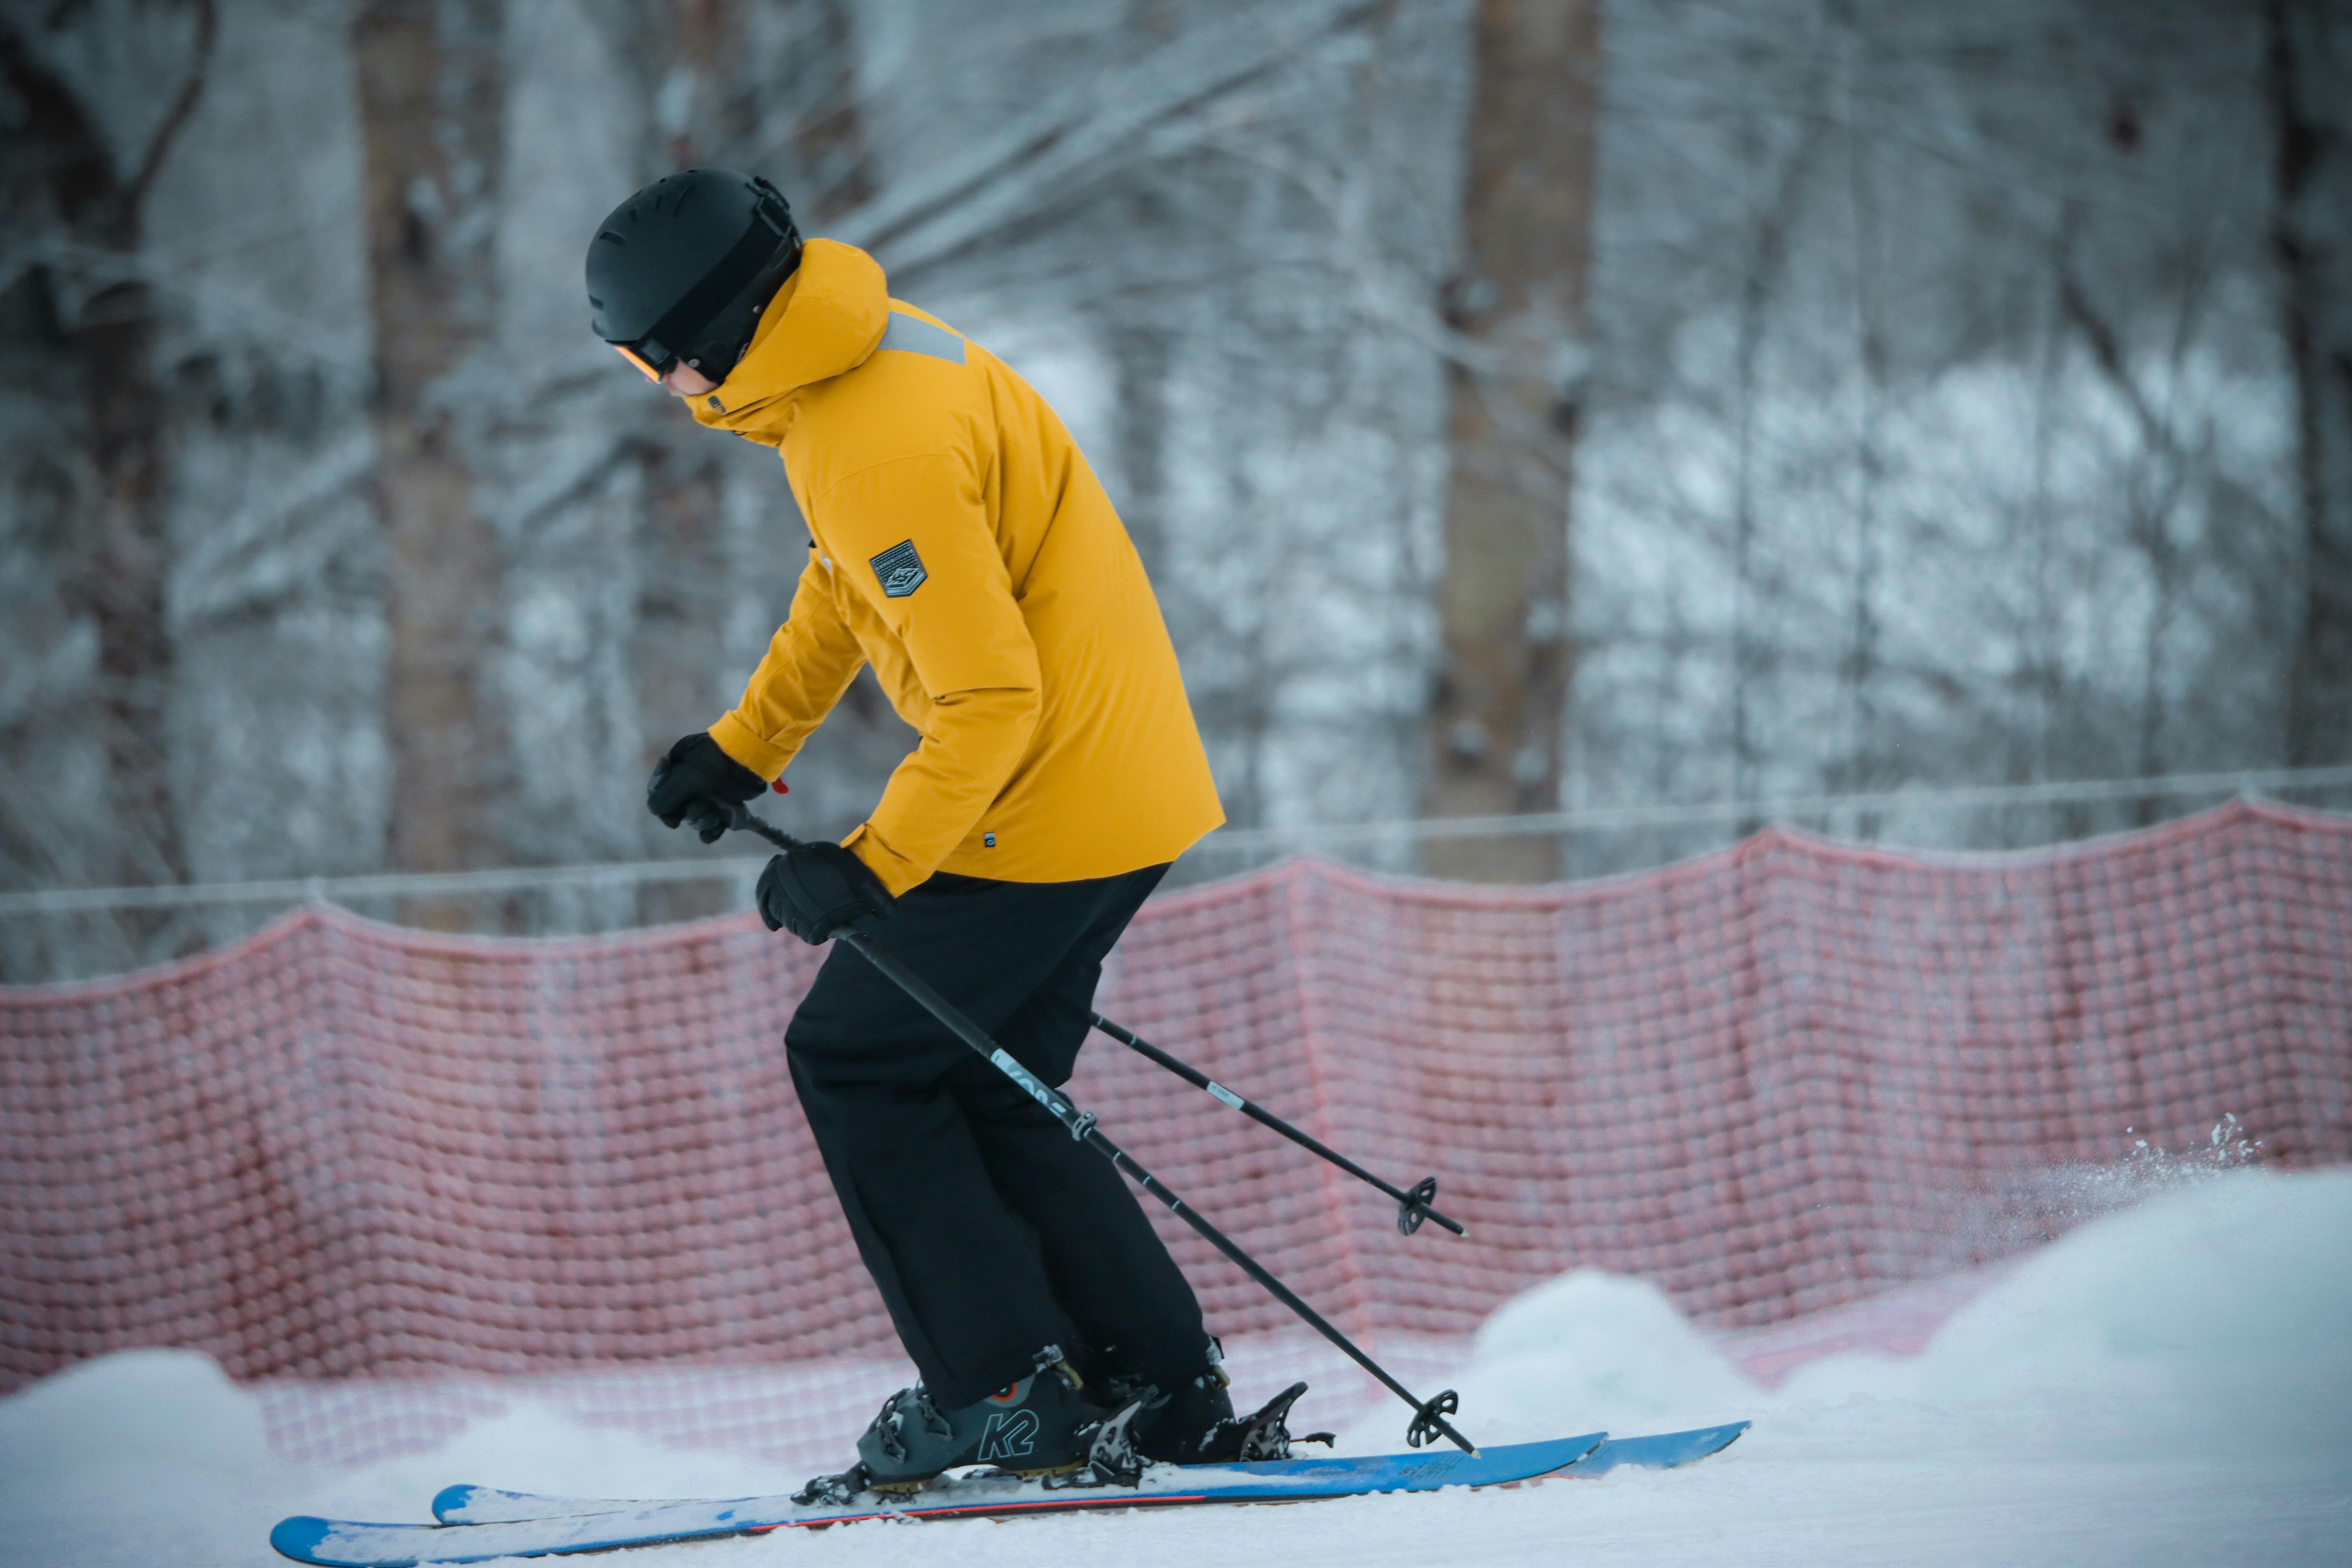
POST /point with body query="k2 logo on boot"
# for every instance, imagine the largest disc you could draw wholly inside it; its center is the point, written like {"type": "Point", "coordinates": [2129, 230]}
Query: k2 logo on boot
{"type": "Point", "coordinates": [900, 569]}
{"type": "Point", "coordinates": [1008, 1434]}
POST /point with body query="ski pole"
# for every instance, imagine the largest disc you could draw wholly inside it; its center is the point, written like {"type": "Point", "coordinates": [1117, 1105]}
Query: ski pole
{"type": "Point", "coordinates": [1428, 1418]}
{"type": "Point", "coordinates": [1429, 1414]}
{"type": "Point", "coordinates": [1412, 1207]}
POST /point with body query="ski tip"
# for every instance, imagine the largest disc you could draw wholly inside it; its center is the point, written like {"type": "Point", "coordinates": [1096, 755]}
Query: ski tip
{"type": "Point", "coordinates": [1717, 1439]}
{"type": "Point", "coordinates": [1672, 1450]}
{"type": "Point", "coordinates": [299, 1536]}
{"type": "Point", "coordinates": [452, 1500]}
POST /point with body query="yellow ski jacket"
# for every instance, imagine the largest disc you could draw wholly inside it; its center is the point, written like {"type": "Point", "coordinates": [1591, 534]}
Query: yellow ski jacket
{"type": "Point", "coordinates": [959, 543]}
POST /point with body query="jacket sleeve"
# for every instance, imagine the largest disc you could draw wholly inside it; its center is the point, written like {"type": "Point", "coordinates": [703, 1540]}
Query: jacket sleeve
{"type": "Point", "coordinates": [810, 662]}
{"type": "Point", "coordinates": [914, 538]}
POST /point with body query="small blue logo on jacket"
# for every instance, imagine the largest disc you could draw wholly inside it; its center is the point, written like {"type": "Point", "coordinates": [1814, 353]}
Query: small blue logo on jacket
{"type": "Point", "coordinates": [900, 569]}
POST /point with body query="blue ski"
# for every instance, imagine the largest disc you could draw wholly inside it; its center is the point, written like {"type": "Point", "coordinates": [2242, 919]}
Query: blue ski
{"type": "Point", "coordinates": [1662, 1451]}
{"type": "Point", "coordinates": [348, 1544]}
{"type": "Point", "coordinates": [490, 1505]}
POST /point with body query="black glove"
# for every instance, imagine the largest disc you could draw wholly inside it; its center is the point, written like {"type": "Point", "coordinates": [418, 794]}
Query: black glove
{"type": "Point", "coordinates": [815, 889]}
{"type": "Point", "coordinates": [696, 783]}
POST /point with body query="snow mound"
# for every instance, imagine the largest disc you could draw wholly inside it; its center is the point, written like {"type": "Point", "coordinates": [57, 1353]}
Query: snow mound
{"type": "Point", "coordinates": [534, 1448]}
{"type": "Point", "coordinates": [1592, 1351]}
{"type": "Point", "coordinates": [2222, 1311]}
{"type": "Point", "coordinates": [135, 1409]}
{"type": "Point", "coordinates": [2219, 1313]}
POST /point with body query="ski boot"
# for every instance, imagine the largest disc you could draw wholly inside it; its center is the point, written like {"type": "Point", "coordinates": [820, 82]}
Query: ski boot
{"type": "Point", "coordinates": [1038, 1424]}
{"type": "Point", "coordinates": [1171, 1428]}
{"type": "Point", "coordinates": [1194, 1424]}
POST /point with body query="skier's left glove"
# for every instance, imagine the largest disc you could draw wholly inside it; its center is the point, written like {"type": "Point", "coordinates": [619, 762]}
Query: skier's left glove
{"type": "Point", "coordinates": [815, 889]}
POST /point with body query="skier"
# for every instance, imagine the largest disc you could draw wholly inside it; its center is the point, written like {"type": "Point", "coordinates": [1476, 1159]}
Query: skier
{"type": "Point", "coordinates": [958, 543]}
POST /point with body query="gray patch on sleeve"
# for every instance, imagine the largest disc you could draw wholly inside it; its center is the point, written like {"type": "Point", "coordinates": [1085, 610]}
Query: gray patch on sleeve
{"type": "Point", "coordinates": [913, 335]}
{"type": "Point", "coordinates": [900, 569]}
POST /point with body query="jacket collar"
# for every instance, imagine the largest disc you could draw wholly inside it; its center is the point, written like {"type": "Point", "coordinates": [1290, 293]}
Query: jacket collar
{"type": "Point", "coordinates": [826, 320]}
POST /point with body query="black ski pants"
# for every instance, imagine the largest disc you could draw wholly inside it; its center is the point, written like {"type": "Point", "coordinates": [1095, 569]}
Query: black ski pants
{"type": "Point", "coordinates": [989, 1231]}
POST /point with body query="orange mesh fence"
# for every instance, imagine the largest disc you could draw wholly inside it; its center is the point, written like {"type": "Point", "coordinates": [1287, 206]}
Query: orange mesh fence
{"type": "Point", "coordinates": [1775, 1080]}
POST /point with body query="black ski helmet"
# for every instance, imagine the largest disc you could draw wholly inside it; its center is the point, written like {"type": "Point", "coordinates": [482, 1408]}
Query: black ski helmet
{"type": "Point", "coordinates": [681, 271]}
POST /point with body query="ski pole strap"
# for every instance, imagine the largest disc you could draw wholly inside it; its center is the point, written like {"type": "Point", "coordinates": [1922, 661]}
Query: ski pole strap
{"type": "Point", "coordinates": [740, 815]}
{"type": "Point", "coordinates": [1412, 1207]}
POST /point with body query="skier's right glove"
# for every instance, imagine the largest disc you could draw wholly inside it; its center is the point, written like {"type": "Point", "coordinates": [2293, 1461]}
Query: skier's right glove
{"type": "Point", "coordinates": [696, 784]}
{"type": "Point", "coordinates": [815, 889]}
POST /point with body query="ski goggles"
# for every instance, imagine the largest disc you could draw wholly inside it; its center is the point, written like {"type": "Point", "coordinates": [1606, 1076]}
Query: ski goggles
{"type": "Point", "coordinates": [648, 356]}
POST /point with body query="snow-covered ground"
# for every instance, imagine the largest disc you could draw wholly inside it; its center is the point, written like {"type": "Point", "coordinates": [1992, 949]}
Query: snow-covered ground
{"type": "Point", "coordinates": [2171, 1384]}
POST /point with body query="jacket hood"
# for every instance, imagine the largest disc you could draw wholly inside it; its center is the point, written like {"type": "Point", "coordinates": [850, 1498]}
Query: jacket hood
{"type": "Point", "coordinates": [835, 308]}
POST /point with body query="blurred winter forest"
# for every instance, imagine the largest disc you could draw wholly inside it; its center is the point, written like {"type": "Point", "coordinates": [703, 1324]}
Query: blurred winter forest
{"type": "Point", "coordinates": [1522, 405]}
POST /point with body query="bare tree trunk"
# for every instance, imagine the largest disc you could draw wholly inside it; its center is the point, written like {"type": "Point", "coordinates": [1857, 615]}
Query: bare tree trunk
{"type": "Point", "coordinates": [828, 138]}
{"type": "Point", "coordinates": [117, 563]}
{"type": "Point", "coordinates": [429, 89]}
{"type": "Point", "coordinates": [1752, 645]}
{"type": "Point", "coordinates": [703, 39]}
{"type": "Point", "coordinates": [1863, 769]}
{"type": "Point", "coordinates": [1144, 352]}
{"type": "Point", "coordinates": [2049, 751]}
{"type": "Point", "coordinates": [2310, 81]}
{"type": "Point", "coordinates": [1500, 698]}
